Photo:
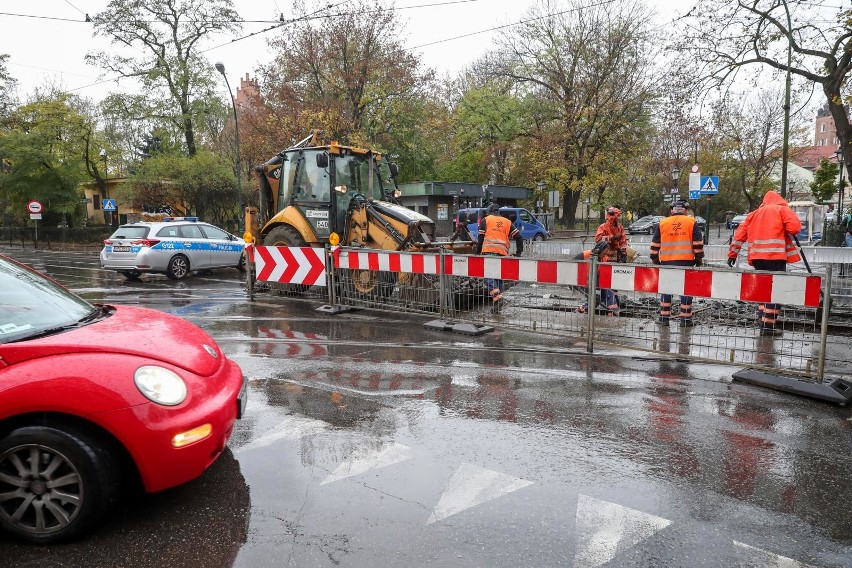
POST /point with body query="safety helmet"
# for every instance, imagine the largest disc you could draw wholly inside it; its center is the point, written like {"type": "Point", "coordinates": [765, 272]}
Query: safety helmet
{"type": "Point", "coordinates": [680, 207]}
{"type": "Point", "coordinates": [492, 209]}
{"type": "Point", "coordinates": [613, 212]}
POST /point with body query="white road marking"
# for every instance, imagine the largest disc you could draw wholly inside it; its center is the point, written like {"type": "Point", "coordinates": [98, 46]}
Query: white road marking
{"type": "Point", "coordinates": [473, 485]}
{"type": "Point", "coordinates": [357, 465]}
{"type": "Point", "coordinates": [291, 428]}
{"type": "Point", "coordinates": [768, 559]}
{"type": "Point", "coordinates": [605, 529]}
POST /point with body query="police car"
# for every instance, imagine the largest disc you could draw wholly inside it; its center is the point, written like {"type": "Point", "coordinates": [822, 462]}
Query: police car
{"type": "Point", "coordinates": [174, 246]}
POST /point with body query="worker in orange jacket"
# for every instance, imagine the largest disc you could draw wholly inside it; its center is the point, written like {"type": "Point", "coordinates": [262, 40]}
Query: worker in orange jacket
{"type": "Point", "coordinates": [612, 233]}
{"type": "Point", "coordinates": [494, 234]}
{"type": "Point", "coordinates": [677, 241]}
{"type": "Point", "coordinates": [768, 230]}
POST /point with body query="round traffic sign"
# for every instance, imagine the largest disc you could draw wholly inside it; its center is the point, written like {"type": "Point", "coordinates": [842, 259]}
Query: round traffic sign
{"type": "Point", "coordinates": [34, 206]}
{"type": "Point", "coordinates": [695, 168]}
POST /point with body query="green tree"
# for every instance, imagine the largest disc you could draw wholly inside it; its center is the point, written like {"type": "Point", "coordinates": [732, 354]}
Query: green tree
{"type": "Point", "coordinates": [824, 185]}
{"type": "Point", "coordinates": [7, 87]}
{"type": "Point", "coordinates": [177, 81]}
{"type": "Point", "coordinates": [45, 145]}
{"type": "Point", "coordinates": [587, 69]}
{"type": "Point", "coordinates": [201, 185]}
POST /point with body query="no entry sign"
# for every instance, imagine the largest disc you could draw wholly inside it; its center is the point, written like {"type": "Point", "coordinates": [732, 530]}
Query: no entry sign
{"type": "Point", "coordinates": [34, 206]}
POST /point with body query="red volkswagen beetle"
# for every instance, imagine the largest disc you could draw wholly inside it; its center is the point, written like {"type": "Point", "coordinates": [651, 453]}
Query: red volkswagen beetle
{"type": "Point", "coordinates": [95, 397]}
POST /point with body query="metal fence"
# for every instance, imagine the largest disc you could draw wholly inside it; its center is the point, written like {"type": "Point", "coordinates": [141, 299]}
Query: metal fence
{"type": "Point", "coordinates": [725, 330]}
{"type": "Point", "coordinates": [67, 238]}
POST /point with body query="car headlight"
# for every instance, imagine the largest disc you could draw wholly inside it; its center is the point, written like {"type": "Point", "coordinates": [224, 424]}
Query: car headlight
{"type": "Point", "coordinates": [160, 385]}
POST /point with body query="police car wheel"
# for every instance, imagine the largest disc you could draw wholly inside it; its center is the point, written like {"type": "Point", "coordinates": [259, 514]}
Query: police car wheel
{"type": "Point", "coordinates": [178, 267]}
{"type": "Point", "coordinates": [241, 265]}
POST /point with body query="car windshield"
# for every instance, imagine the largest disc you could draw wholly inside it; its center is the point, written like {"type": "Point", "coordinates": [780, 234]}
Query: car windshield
{"type": "Point", "coordinates": [32, 305]}
{"type": "Point", "coordinates": [130, 232]}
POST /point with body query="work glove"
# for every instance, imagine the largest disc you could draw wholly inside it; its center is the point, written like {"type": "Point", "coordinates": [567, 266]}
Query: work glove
{"type": "Point", "coordinates": [622, 256]}
{"type": "Point", "coordinates": [732, 261]}
{"type": "Point", "coordinates": [699, 262]}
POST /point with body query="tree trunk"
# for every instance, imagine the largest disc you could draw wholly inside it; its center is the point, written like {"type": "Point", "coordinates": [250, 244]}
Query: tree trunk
{"type": "Point", "coordinates": [841, 121]}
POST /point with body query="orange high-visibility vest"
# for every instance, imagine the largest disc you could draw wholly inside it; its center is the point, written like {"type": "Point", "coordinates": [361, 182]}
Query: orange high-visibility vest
{"type": "Point", "coordinates": [497, 231]}
{"type": "Point", "coordinates": [676, 238]}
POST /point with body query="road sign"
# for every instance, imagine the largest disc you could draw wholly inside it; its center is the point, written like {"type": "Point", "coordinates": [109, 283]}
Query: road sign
{"type": "Point", "coordinates": [35, 216]}
{"type": "Point", "coordinates": [673, 191]}
{"type": "Point", "coordinates": [34, 206]}
{"type": "Point", "coordinates": [709, 185]}
{"type": "Point", "coordinates": [108, 204]}
{"type": "Point", "coordinates": [694, 194]}
{"type": "Point", "coordinates": [694, 181]}
{"type": "Point", "coordinates": [695, 168]}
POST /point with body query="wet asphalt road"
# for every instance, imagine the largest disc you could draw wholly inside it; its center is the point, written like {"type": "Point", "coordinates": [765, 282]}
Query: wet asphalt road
{"type": "Point", "coordinates": [370, 441]}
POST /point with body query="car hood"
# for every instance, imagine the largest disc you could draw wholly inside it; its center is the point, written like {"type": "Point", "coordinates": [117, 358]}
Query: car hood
{"type": "Point", "coordinates": [131, 331]}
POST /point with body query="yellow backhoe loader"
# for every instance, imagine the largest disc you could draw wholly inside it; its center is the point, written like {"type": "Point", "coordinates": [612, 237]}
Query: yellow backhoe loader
{"type": "Point", "coordinates": [315, 193]}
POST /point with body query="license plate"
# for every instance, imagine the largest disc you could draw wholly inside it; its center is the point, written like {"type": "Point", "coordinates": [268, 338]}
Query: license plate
{"type": "Point", "coordinates": [120, 249]}
{"type": "Point", "coordinates": [242, 400]}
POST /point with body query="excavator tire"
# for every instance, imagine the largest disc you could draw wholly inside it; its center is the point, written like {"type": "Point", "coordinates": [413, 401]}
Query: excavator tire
{"type": "Point", "coordinates": [369, 285]}
{"type": "Point", "coordinates": [286, 236]}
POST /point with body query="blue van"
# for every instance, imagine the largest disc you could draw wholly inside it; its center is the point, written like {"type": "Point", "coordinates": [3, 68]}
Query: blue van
{"type": "Point", "coordinates": [531, 228]}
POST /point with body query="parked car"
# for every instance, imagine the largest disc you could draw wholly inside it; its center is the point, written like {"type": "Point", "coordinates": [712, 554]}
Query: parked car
{"type": "Point", "coordinates": [645, 224]}
{"type": "Point", "coordinates": [174, 247]}
{"type": "Point", "coordinates": [736, 221]}
{"type": "Point", "coordinates": [702, 223]}
{"type": "Point", "coordinates": [527, 223]}
{"type": "Point", "coordinates": [95, 397]}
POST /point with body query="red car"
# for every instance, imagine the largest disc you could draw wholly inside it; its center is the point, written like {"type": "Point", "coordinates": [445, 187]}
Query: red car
{"type": "Point", "coordinates": [95, 397]}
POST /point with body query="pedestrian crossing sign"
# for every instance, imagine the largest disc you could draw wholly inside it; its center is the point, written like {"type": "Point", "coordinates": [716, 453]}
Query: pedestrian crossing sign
{"type": "Point", "coordinates": [709, 185]}
{"type": "Point", "coordinates": [108, 204]}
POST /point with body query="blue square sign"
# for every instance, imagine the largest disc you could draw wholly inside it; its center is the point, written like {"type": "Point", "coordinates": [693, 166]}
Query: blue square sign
{"type": "Point", "coordinates": [108, 204]}
{"type": "Point", "coordinates": [709, 185]}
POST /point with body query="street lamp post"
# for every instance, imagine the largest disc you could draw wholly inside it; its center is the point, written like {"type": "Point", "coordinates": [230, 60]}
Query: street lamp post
{"type": "Point", "coordinates": [837, 215]}
{"type": "Point", "coordinates": [675, 176]}
{"type": "Point", "coordinates": [103, 155]}
{"type": "Point", "coordinates": [220, 67]}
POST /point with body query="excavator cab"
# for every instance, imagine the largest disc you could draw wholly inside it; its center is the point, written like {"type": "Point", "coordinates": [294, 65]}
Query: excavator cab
{"type": "Point", "coordinates": [310, 192]}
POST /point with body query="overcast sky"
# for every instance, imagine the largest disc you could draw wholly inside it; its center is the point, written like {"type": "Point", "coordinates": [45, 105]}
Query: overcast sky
{"type": "Point", "coordinates": [45, 50]}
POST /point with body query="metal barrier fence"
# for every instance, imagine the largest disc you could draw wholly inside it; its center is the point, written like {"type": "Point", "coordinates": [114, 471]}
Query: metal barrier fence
{"type": "Point", "coordinates": [547, 296]}
{"type": "Point", "coordinates": [819, 259]}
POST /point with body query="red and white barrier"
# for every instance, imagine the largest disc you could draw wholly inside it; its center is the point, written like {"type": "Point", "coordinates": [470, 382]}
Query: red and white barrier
{"type": "Point", "coordinates": [417, 263]}
{"type": "Point", "coordinates": [289, 265]}
{"type": "Point", "coordinates": [306, 265]}
{"type": "Point", "coordinates": [763, 287]}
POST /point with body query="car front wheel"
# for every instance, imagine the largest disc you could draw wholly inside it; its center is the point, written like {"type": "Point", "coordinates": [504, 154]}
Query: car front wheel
{"type": "Point", "coordinates": [54, 484]}
{"type": "Point", "coordinates": [178, 267]}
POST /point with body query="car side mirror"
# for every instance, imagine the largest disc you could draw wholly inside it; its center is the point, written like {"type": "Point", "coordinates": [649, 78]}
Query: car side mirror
{"type": "Point", "coordinates": [322, 160]}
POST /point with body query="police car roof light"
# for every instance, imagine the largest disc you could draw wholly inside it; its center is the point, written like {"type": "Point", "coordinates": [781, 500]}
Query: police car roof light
{"type": "Point", "coordinates": [166, 219]}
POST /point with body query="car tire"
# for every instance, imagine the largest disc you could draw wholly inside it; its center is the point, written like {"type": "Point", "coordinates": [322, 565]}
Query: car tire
{"type": "Point", "coordinates": [74, 484]}
{"type": "Point", "coordinates": [178, 267]}
{"type": "Point", "coordinates": [538, 237]}
{"type": "Point", "coordinates": [241, 265]}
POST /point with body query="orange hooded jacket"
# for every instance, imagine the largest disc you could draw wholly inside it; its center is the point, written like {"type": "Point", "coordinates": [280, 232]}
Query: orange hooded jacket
{"type": "Point", "coordinates": [614, 233]}
{"type": "Point", "coordinates": [768, 230]}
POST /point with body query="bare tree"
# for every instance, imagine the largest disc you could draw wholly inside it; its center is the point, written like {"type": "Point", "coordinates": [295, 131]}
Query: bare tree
{"type": "Point", "coordinates": [177, 80]}
{"type": "Point", "coordinates": [588, 71]}
{"type": "Point", "coordinates": [811, 40]}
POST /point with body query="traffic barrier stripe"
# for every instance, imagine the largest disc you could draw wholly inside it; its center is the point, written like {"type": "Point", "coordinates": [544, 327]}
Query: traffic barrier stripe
{"type": "Point", "coordinates": [290, 265]}
{"type": "Point", "coordinates": [306, 265]}
{"type": "Point", "coordinates": [417, 263]}
{"type": "Point", "coordinates": [762, 287]}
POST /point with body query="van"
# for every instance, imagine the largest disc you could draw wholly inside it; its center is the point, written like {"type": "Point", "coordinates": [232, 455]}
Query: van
{"type": "Point", "coordinates": [530, 227]}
